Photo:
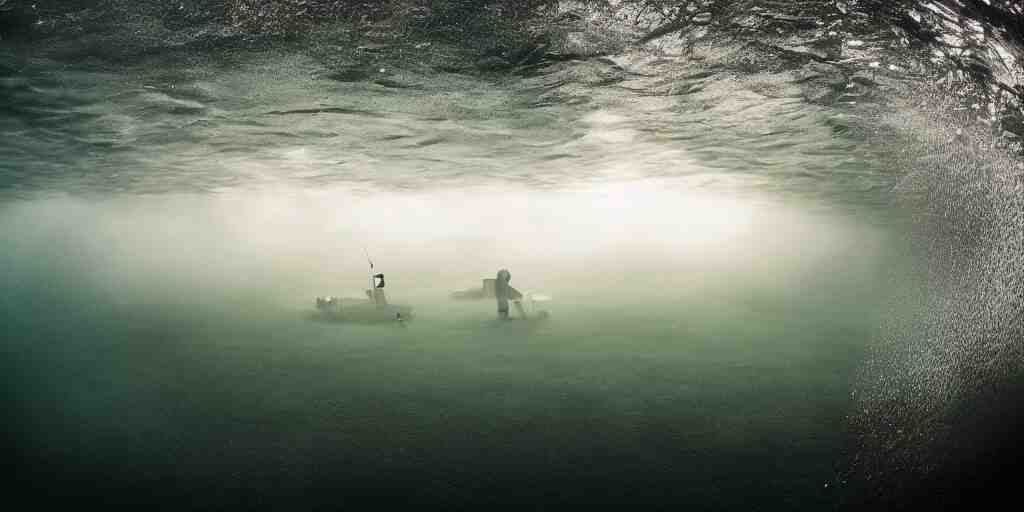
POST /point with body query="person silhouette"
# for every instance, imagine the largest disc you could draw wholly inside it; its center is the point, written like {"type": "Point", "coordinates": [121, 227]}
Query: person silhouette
{"type": "Point", "coordinates": [504, 292]}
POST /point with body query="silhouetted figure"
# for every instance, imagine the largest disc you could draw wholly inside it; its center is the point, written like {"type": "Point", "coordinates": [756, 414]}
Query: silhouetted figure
{"type": "Point", "coordinates": [505, 292]}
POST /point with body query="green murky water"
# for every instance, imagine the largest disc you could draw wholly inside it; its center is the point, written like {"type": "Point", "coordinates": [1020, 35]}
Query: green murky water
{"type": "Point", "coordinates": [718, 261]}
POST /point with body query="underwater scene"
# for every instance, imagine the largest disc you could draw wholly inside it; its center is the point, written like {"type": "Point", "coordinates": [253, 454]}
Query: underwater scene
{"type": "Point", "coordinates": [532, 255]}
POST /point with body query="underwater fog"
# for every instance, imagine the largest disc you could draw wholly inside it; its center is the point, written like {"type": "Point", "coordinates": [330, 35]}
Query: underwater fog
{"type": "Point", "coordinates": [166, 340]}
{"type": "Point", "coordinates": [644, 240]}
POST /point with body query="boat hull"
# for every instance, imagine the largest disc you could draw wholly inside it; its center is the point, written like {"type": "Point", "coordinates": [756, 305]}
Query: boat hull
{"type": "Point", "coordinates": [362, 311]}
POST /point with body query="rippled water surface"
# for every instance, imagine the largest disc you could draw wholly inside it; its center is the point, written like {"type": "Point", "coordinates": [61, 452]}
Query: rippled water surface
{"type": "Point", "coordinates": [717, 250]}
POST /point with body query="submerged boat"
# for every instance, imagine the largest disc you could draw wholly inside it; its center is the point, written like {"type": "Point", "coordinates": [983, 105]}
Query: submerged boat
{"type": "Point", "coordinates": [354, 310]}
{"type": "Point", "coordinates": [491, 288]}
{"type": "Point", "coordinates": [375, 308]}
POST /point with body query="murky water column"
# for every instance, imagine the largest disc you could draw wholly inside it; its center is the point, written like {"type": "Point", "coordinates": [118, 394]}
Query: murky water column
{"type": "Point", "coordinates": [699, 349]}
{"type": "Point", "coordinates": [714, 285]}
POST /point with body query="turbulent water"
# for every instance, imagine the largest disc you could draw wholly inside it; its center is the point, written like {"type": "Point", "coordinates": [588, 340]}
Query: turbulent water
{"type": "Point", "coordinates": [720, 253]}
